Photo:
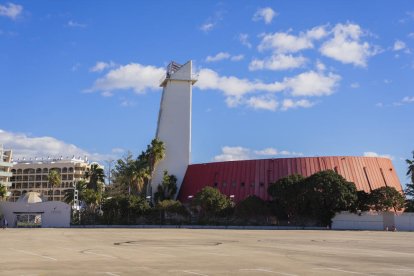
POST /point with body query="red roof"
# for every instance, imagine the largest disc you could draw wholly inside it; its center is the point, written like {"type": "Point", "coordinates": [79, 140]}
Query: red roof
{"type": "Point", "coordinates": [252, 177]}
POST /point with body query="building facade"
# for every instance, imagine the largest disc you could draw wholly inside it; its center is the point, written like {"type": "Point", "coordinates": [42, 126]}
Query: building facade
{"type": "Point", "coordinates": [240, 179]}
{"type": "Point", "coordinates": [32, 176]}
{"type": "Point", "coordinates": [5, 168]}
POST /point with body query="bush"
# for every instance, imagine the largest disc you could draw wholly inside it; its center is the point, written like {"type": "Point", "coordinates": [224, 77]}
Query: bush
{"type": "Point", "coordinates": [252, 209]}
{"type": "Point", "coordinates": [124, 209]}
{"type": "Point", "coordinates": [211, 203]}
{"type": "Point", "coordinates": [386, 199]}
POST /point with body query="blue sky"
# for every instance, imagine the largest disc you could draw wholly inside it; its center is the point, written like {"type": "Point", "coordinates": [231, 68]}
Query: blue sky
{"type": "Point", "coordinates": [276, 78]}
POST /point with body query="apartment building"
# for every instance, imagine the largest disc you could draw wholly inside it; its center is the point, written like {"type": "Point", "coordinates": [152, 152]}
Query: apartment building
{"type": "Point", "coordinates": [32, 176]}
{"type": "Point", "coordinates": [5, 168]}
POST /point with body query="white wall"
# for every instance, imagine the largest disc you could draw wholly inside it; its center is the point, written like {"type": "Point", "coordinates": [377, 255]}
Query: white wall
{"type": "Point", "coordinates": [373, 221]}
{"type": "Point", "coordinates": [54, 213]}
{"type": "Point", "coordinates": [405, 222]}
{"type": "Point", "coordinates": [174, 125]}
{"type": "Point", "coordinates": [350, 221]}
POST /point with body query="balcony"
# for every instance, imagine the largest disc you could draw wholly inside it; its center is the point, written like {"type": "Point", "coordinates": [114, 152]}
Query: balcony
{"type": "Point", "coordinates": [6, 174]}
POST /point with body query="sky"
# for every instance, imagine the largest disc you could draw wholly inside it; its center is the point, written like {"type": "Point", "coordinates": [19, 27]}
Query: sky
{"type": "Point", "coordinates": [275, 78]}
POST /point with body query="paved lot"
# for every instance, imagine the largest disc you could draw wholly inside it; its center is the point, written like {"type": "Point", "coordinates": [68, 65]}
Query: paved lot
{"type": "Point", "coordinates": [204, 252]}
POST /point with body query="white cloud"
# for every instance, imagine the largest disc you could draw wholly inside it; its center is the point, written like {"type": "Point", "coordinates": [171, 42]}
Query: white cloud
{"type": "Point", "coordinates": [379, 104]}
{"type": "Point", "coordinates": [207, 27]}
{"type": "Point", "coordinates": [305, 84]}
{"type": "Point", "coordinates": [312, 84]}
{"type": "Point", "coordinates": [11, 10]}
{"type": "Point", "coordinates": [133, 76]}
{"type": "Point", "coordinates": [374, 154]}
{"type": "Point", "coordinates": [244, 39]}
{"type": "Point", "coordinates": [284, 42]}
{"type": "Point", "coordinates": [212, 21]}
{"type": "Point", "coordinates": [233, 153]}
{"type": "Point", "coordinates": [265, 14]}
{"type": "Point", "coordinates": [263, 102]}
{"type": "Point", "coordinates": [316, 33]}
{"type": "Point", "coordinates": [289, 103]}
{"type": "Point", "coordinates": [218, 57]}
{"type": "Point", "coordinates": [101, 65]}
{"type": "Point", "coordinates": [233, 86]}
{"type": "Point", "coordinates": [267, 151]}
{"type": "Point", "coordinates": [354, 85]}
{"type": "Point", "coordinates": [320, 66]}
{"type": "Point", "coordinates": [223, 56]}
{"type": "Point", "coordinates": [408, 100]}
{"type": "Point", "coordinates": [346, 45]}
{"type": "Point", "coordinates": [141, 78]}
{"type": "Point", "coordinates": [237, 58]}
{"type": "Point", "coordinates": [74, 24]}
{"type": "Point", "coordinates": [405, 100]}
{"type": "Point", "coordinates": [399, 45]}
{"type": "Point", "coordinates": [278, 62]}
{"type": "Point", "coordinates": [127, 103]}
{"type": "Point", "coordinates": [24, 146]}
{"type": "Point", "coordinates": [241, 153]}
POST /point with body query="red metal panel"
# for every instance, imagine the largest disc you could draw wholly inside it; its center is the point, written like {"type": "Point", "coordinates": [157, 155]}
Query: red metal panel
{"type": "Point", "coordinates": [270, 170]}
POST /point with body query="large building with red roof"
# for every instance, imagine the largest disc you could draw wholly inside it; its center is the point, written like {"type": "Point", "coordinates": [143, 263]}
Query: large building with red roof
{"type": "Point", "coordinates": [239, 179]}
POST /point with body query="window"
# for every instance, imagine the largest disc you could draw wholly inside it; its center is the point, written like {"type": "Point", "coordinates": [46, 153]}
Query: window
{"type": "Point", "coordinates": [261, 184]}
{"type": "Point", "coordinates": [252, 185]}
{"type": "Point", "coordinates": [234, 184]}
{"type": "Point", "coordinates": [224, 184]}
{"type": "Point", "coordinates": [242, 184]}
{"type": "Point", "coordinates": [215, 184]}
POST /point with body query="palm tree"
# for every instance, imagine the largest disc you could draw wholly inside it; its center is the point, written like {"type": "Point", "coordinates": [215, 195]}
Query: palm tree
{"type": "Point", "coordinates": [410, 171]}
{"type": "Point", "coordinates": [54, 180]}
{"type": "Point", "coordinates": [155, 153]}
{"type": "Point", "coordinates": [96, 176]}
{"type": "Point", "coordinates": [70, 194]}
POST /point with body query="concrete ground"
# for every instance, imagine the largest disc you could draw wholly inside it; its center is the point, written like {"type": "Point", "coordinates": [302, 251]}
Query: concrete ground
{"type": "Point", "coordinates": [204, 252]}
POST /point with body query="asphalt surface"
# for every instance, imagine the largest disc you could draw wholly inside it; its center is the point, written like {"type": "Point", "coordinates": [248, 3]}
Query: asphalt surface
{"type": "Point", "coordinates": [204, 252]}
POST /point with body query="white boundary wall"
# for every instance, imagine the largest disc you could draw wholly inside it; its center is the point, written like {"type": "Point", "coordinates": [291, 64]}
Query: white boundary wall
{"type": "Point", "coordinates": [405, 222]}
{"type": "Point", "coordinates": [54, 213]}
{"type": "Point", "coordinates": [373, 221]}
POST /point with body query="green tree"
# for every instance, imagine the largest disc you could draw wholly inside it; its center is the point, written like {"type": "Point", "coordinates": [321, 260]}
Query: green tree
{"type": "Point", "coordinates": [288, 195]}
{"type": "Point", "coordinates": [126, 176]}
{"type": "Point", "coordinates": [410, 171]}
{"type": "Point", "coordinates": [3, 192]}
{"type": "Point", "coordinates": [211, 203]}
{"type": "Point", "coordinates": [167, 189]}
{"type": "Point", "coordinates": [409, 193]}
{"type": "Point", "coordinates": [70, 193]}
{"type": "Point", "coordinates": [386, 199]}
{"type": "Point", "coordinates": [95, 176]}
{"type": "Point", "coordinates": [124, 209]}
{"type": "Point", "coordinates": [252, 208]}
{"type": "Point", "coordinates": [329, 193]}
{"type": "Point", "coordinates": [54, 180]}
{"type": "Point", "coordinates": [363, 202]}
{"type": "Point", "coordinates": [155, 153]}
{"type": "Point", "coordinates": [136, 174]}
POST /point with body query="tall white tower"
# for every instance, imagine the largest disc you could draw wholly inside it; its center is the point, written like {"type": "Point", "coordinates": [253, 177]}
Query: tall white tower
{"type": "Point", "coordinates": [174, 122]}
